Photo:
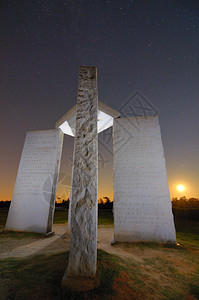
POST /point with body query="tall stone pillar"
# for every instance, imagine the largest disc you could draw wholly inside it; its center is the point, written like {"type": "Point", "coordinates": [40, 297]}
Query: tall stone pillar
{"type": "Point", "coordinates": [81, 269]}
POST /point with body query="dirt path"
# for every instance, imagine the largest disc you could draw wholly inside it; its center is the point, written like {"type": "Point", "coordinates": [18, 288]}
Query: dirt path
{"type": "Point", "coordinates": [152, 262]}
{"type": "Point", "coordinates": [11, 247]}
{"type": "Point", "coordinates": [58, 243]}
{"type": "Point", "coordinates": [24, 247]}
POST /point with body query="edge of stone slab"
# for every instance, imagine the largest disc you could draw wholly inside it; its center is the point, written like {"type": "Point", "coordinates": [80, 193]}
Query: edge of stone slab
{"type": "Point", "coordinates": [49, 234]}
{"type": "Point", "coordinates": [79, 284]}
{"type": "Point", "coordinates": [166, 243]}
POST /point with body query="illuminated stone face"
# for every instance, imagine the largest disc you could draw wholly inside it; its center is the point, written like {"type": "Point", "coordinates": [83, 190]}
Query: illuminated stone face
{"type": "Point", "coordinates": [104, 121]}
{"type": "Point", "coordinates": [83, 237]}
{"type": "Point", "coordinates": [142, 206]}
{"type": "Point", "coordinates": [65, 127]}
{"type": "Point", "coordinates": [33, 200]}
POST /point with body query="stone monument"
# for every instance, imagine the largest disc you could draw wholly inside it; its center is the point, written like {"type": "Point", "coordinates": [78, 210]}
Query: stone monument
{"type": "Point", "coordinates": [81, 270]}
{"type": "Point", "coordinates": [142, 206]}
{"type": "Point", "coordinates": [33, 201]}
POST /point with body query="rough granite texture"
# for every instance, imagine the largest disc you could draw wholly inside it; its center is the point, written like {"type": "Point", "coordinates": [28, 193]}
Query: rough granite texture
{"type": "Point", "coordinates": [83, 236]}
{"type": "Point", "coordinates": [142, 206]}
{"type": "Point", "coordinates": [70, 116]}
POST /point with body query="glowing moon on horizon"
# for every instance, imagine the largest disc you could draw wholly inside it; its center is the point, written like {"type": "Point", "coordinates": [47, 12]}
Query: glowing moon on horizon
{"type": "Point", "coordinates": [180, 187]}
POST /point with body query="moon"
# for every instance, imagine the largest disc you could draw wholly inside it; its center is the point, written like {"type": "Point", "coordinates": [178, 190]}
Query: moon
{"type": "Point", "coordinates": [180, 187]}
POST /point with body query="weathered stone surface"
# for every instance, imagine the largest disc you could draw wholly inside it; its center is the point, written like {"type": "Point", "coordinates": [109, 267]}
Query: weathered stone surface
{"type": "Point", "coordinates": [33, 201]}
{"type": "Point", "coordinates": [105, 119]}
{"type": "Point", "coordinates": [83, 237]}
{"type": "Point", "coordinates": [142, 206]}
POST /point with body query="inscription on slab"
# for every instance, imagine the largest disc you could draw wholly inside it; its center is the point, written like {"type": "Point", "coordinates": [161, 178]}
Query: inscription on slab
{"type": "Point", "coordinates": [33, 200]}
{"type": "Point", "coordinates": [142, 206]}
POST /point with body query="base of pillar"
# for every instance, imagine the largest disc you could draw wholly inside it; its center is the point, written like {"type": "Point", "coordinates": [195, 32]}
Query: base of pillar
{"type": "Point", "coordinates": [48, 234]}
{"type": "Point", "coordinates": [169, 244]}
{"type": "Point", "coordinates": [79, 284]}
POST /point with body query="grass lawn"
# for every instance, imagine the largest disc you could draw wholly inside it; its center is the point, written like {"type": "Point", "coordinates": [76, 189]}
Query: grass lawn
{"type": "Point", "coordinates": [39, 277]}
{"type": "Point", "coordinates": [61, 216]}
{"type": "Point", "coordinates": [162, 272]}
{"type": "Point", "coordinates": [105, 217]}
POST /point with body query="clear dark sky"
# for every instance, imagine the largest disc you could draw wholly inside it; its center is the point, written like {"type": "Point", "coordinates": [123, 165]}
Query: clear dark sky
{"type": "Point", "coordinates": [146, 46]}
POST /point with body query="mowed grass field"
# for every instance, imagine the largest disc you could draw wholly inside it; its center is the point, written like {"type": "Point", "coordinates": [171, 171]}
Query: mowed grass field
{"type": "Point", "coordinates": [154, 272]}
{"type": "Point", "coordinates": [105, 217]}
{"type": "Point", "coordinates": [61, 217]}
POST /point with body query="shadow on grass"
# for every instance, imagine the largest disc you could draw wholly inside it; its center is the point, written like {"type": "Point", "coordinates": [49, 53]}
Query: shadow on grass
{"type": "Point", "coordinates": [39, 277]}
{"type": "Point", "coordinates": [20, 235]}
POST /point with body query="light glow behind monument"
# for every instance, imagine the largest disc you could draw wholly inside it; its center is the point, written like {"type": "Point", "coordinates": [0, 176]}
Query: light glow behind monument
{"type": "Point", "coordinates": [65, 127]}
{"type": "Point", "coordinates": [104, 122]}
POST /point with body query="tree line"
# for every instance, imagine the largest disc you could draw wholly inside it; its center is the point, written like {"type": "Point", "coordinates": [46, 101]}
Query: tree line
{"type": "Point", "coordinates": [183, 208]}
{"type": "Point", "coordinates": [103, 203]}
{"type": "Point", "coordinates": [185, 203]}
{"type": "Point", "coordinates": [106, 203]}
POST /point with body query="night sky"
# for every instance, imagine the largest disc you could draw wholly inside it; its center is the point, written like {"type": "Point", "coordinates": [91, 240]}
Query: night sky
{"type": "Point", "coordinates": [147, 46]}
